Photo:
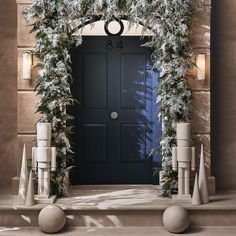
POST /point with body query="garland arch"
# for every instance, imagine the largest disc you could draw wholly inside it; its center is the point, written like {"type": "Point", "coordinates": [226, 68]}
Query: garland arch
{"type": "Point", "coordinates": [53, 25]}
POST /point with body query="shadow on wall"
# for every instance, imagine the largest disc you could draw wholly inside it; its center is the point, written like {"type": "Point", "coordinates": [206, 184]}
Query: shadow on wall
{"type": "Point", "coordinates": [223, 94]}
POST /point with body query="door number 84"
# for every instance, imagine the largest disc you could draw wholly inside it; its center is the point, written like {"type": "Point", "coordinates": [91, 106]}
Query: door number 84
{"type": "Point", "coordinates": [110, 46]}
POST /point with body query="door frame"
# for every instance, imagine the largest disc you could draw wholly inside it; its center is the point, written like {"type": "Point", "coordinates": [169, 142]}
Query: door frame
{"type": "Point", "coordinates": [100, 32]}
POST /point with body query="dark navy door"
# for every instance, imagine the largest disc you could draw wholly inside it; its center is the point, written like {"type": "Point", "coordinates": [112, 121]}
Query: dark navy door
{"type": "Point", "coordinates": [116, 126]}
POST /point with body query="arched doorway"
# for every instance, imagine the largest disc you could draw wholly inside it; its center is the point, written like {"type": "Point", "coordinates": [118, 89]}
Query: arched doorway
{"type": "Point", "coordinates": [115, 122]}
{"type": "Point", "coordinates": [53, 25]}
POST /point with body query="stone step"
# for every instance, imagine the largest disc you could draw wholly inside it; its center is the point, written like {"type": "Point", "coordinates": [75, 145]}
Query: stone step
{"type": "Point", "coordinates": [119, 206]}
{"type": "Point", "coordinates": [127, 231]}
{"type": "Point", "coordinates": [118, 217]}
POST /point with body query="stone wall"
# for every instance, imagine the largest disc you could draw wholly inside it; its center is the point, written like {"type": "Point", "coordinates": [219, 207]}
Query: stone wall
{"type": "Point", "coordinates": [201, 119]}
{"type": "Point", "coordinates": [224, 93]}
{"type": "Point", "coordinates": [26, 96]}
{"type": "Point", "coordinates": [200, 42]}
{"type": "Point", "coordinates": [8, 94]}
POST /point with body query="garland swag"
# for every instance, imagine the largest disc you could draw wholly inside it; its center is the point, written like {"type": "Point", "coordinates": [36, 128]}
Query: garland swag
{"type": "Point", "coordinates": [54, 22]}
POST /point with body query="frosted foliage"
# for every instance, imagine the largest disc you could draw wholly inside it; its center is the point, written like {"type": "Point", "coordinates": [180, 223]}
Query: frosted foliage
{"type": "Point", "coordinates": [54, 22]}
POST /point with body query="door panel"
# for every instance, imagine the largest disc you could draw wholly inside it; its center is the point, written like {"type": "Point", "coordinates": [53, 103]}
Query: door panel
{"type": "Point", "coordinates": [133, 80]}
{"type": "Point", "coordinates": [94, 143]}
{"type": "Point", "coordinates": [94, 81]}
{"type": "Point", "coordinates": [133, 143]}
{"type": "Point", "coordinates": [113, 150]}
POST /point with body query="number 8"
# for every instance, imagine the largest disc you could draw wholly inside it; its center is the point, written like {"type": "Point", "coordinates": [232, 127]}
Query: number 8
{"type": "Point", "coordinates": [109, 45]}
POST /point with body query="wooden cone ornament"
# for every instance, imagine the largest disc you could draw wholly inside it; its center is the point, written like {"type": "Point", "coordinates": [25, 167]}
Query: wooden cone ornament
{"type": "Point", "coordinates": [203, 179]}
{"type": "Point", "coordinates": [30, 191]}
{"type": "Point", "coordinates": [196, 198]}
{"type": "Point", "coordinates": [23, 180]}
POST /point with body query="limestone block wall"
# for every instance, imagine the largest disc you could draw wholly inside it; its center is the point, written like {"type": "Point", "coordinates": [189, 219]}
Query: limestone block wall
{"type": "Point", "coordinates": [8, 94]}
{"type": "Point", "coordinates": [200, 43]}
{"type": "Point", "coordinates": [26, 96]}
{"type": "Point", "coordinates": [201, 119]}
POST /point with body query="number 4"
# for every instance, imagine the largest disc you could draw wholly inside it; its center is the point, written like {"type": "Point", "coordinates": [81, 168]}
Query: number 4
{"type": "Point", "coordinates": [120, 45]}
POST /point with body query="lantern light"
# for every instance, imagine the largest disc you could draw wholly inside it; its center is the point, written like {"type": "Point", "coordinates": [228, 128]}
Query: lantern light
{"type": "Point", "coordinates": [201, 65]}
{"type": "Point", "coordinates": [27, 65]}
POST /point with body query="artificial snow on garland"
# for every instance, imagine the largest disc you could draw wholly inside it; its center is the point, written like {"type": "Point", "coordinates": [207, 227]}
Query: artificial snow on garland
{"type": "Point", "coordinates": [55, 21]}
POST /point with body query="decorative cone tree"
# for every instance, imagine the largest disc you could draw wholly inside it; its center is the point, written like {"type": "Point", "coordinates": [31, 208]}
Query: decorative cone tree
{"type": "Point", "coordinates": [30, 191]}
{"type": "Point", "coordinates": [196, 198]}
{"type": "Point", "coordinates": [203, 179]}
{"type": "Point", "coordinates": [23, 179]}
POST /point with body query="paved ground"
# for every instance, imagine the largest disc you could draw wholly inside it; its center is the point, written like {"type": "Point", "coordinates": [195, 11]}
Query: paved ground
{"type": "Point", "coordinates": [121, 197]}
{"type": "Point", "coordinates": [127, 231]}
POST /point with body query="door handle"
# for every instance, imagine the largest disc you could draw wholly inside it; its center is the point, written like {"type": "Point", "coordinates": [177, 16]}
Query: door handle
{"type": "Point", "coordinates": [114, 115]}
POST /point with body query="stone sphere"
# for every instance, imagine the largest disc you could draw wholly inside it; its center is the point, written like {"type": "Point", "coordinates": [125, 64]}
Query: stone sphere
{"type": "Point", "coordinates": [175, 219]}
{"type": "Point", "coordinates": [51, 219]}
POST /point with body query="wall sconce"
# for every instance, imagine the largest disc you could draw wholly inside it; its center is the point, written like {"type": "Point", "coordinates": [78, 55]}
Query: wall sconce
{"type": "Point", "coordinates": [27, 65]}
{"type": "Point", "coordinates": [201, 65]}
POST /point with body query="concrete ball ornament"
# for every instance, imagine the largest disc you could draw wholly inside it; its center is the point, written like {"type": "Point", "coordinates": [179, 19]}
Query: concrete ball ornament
{"type": "Point", "coordinates": [175, 219]}
{"type": "Point", "coordinates": [51, 219]}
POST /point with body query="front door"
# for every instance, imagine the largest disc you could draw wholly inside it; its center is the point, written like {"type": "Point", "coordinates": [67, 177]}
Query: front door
{"type": "Point", "coordinates": [116, 125]}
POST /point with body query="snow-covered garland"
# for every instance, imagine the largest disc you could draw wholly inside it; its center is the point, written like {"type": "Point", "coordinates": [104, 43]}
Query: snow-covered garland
{"type": "Point", "coordinates": [53, 25]}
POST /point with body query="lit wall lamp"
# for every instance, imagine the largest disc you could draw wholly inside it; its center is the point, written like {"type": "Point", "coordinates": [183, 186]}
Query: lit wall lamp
{"type": "Point", "coordinates": [201, 66]}
{"type": "Point", "coordinates": [27, 65]}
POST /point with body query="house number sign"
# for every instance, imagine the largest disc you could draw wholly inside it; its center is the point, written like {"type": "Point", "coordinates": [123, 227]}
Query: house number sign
{"type": "Point", "coordinates": [110, 46]}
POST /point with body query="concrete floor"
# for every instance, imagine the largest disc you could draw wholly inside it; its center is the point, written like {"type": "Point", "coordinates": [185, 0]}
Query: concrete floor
{"type": "Point", "coordinates": [127, 231]}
